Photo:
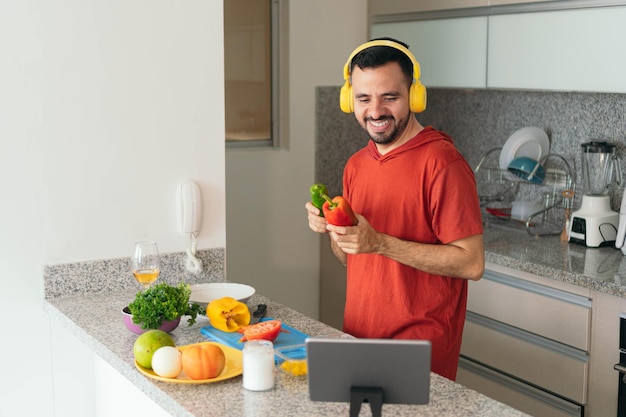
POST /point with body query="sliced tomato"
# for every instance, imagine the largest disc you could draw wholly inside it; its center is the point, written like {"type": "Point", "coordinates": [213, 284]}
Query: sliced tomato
{"type": "Point", "coordinates": [266, 330]}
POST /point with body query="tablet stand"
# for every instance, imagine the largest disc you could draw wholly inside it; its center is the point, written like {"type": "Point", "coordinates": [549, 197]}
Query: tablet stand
{"type": "Point", "coordinates": [374, 396]}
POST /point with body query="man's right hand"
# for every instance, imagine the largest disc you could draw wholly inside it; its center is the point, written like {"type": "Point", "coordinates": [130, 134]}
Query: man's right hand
{"type": "Point", "coordinates": [317, 223]}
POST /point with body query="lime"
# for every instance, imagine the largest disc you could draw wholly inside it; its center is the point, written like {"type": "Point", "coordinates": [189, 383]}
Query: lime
{"type": "Point", "coordinates": [148, 343]}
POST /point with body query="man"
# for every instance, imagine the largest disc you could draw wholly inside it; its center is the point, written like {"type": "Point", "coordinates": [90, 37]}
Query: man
{"type": "Point", "coordinates": [419, 233]}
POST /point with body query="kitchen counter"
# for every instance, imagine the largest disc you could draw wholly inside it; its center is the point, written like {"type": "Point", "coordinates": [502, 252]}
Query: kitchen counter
{"type": "Point", "coordinates": [599, 269]}
{"type": "Point", "coordinates": [95, 319]}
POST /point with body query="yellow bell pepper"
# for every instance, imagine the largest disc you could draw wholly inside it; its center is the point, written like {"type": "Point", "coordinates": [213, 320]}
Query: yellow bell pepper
{"type": "Point", "coordinates": [228, 314]}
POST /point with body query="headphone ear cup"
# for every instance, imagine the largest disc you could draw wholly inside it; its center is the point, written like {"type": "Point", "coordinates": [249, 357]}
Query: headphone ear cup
{"type": "Point", "coordinates": [417, 97]}
{"type": "Point", "coordinates": [345, 98]}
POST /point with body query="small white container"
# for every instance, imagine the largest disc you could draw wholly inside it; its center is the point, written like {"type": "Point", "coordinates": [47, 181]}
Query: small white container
{"type": "Point", "coordinates": [258, 365]}
{"type": "Point", "coordinates": [521, 210]}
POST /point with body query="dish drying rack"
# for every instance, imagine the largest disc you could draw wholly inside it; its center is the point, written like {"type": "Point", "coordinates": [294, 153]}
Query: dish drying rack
{"type": "Point", "coordinates": [497, 188]}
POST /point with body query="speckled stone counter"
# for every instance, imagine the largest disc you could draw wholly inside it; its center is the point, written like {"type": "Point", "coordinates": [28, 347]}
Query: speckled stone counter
{"type": "Point", "coordinates": [599, 269]}
{"type": "Point", "coordinates": [95, 319]}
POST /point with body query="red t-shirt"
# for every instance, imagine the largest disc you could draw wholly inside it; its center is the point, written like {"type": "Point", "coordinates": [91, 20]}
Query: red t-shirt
{"type": "Point", "coordinates": [423, 191]}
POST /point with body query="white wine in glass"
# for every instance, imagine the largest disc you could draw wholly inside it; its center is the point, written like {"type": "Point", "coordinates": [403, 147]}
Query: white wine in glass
{"type": "Point", "coordinates": [146, 263]}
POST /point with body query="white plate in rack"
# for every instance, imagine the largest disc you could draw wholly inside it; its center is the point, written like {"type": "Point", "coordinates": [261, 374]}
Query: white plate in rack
{"type": "Point", "coordinates": [531, 142]}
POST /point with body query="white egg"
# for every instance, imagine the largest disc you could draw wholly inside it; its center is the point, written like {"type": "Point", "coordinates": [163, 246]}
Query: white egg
{"type": "Point", "coordinates": [166, 362]}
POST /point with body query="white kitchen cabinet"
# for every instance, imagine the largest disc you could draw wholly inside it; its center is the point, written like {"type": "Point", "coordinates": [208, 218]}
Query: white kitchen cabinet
{"type": "Point", "coordinates": [525, 305]}
{"type": "Point", "coordinates": [571, 50]}
{"type": "Point", "coordinates": [552, 366]}
{"type": "Point", "coordinates": [451, 52]}
{"type": "Point", "coordinates": [510, 2]}
{"type": "Point", "coordinates": [527, 328]}
{"type": "Point", "coordinates": [382, 7]}
{"type": "Point", "coordinates": [604, 354]}
{"type": "Point", "coordinates": [528, 337]}
{"type": "Point", "coordinates": [575, 49]}
{"type": "Point", "coordinates": [518, 394]}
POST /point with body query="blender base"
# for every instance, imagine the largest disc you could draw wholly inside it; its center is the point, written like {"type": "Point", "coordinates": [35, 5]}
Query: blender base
{"type": "Point", "coordinates": [594, 224]}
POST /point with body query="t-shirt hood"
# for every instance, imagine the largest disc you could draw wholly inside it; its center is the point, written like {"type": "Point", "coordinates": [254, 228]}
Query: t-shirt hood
{"type": "Point", "coordinates": [426, 135]}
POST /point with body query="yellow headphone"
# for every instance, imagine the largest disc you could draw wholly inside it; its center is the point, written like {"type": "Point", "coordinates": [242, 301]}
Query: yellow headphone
{"type": "Point", "coordinates": [417, 92]}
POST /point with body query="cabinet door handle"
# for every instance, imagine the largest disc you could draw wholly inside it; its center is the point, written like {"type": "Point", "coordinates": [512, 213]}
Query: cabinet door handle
{"type": "Point", "coordinates": [620, 368]}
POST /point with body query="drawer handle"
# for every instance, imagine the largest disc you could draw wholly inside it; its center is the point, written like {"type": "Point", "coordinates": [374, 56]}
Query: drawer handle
{"type": "Point", "coordinates": [621, 369]}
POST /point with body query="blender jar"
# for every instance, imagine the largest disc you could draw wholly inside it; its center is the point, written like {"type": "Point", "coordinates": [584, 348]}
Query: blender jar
{"type": "Point", "coordinates": [598, 162]}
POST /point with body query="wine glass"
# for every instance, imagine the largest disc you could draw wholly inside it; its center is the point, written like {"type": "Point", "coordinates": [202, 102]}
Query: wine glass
{"type": "Point", "coordinates": [146, 263]}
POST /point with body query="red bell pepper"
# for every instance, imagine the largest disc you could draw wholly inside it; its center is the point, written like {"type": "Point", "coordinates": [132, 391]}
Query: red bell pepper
{"type": "Point", "coordinates": [266, 330]}
{"type": "Point", "coordinates": [338, 211]}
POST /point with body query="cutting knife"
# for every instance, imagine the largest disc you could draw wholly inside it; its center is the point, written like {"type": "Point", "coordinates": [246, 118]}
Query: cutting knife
{"type": "Point", "coordinates": [258, 314]}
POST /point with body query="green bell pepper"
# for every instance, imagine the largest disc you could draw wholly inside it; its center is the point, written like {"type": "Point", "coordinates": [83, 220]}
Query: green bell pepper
{"type": "Point", "coordinates": [318, 191]}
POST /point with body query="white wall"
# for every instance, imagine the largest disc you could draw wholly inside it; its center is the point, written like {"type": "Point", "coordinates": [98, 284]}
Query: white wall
{"type": "Point", "coordinates": [85, 86]}
{"type": "Point", "coordinates": [104, 107]}
{"type": "Point", "coordinates": [269, 244]}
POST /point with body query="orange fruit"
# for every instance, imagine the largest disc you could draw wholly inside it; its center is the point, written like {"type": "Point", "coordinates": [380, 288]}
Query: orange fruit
{"type": "Point", "coordinates": [203, 361]}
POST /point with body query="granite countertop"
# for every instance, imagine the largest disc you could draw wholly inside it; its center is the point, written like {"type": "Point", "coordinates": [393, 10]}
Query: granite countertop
{"type": "Point", "coordinates": [600, 269]}
{"type": "Point", "coordinates": [95, 319]}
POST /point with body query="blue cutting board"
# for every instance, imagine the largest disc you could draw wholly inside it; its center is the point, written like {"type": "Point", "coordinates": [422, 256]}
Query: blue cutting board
{"type": "Point", "coordinates": [286, 338]}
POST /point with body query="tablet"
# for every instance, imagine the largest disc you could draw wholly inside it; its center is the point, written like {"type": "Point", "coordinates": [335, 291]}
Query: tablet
{"type": "Point", "coordinates": [340, 369]}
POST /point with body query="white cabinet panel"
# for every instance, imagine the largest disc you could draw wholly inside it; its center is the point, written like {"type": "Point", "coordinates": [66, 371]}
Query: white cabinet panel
{"type": "Point", "coordinates": [451, 52]}
{"type": "Point", "coordinates": [604, 354]}
{"type": "Point", "coordinates": [556, 369]}
{"type": "Point", "coordinates": [514, 393]}
{"type": "Point", "coordinates": [538, 309]}
{"type": "Point", "coordinates": [382, 7]}
{"type": "Point", "coordinates": [509, 2]}
{"type": "Point", "coordinates": [579, 50]}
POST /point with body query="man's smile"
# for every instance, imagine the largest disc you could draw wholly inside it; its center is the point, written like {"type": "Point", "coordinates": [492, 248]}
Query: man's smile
{"type": "Point", "coordinates": [380, 124]}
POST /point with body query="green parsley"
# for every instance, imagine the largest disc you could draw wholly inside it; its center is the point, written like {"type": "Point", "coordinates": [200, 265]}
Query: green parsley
{"type": "Point", "coordinates": [163, 302]}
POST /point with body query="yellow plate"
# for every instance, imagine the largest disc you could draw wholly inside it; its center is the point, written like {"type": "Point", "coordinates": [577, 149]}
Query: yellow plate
{"type": "Point", "coordinates": [233, 367]}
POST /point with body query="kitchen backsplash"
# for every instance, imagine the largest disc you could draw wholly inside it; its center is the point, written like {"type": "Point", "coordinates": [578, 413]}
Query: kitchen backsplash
{"type": "Point", "coordinates": [114, 274]}
{"type": "Point", "coordinates": [480, 120]}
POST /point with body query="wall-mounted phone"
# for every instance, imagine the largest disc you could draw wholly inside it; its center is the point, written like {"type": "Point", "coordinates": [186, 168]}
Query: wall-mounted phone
{"type": "Point", "coordinates": [189, 207]}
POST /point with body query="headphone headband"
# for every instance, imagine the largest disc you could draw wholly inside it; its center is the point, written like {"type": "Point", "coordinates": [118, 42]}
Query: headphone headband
{"type": "Point", "coordinates": [382, 42]}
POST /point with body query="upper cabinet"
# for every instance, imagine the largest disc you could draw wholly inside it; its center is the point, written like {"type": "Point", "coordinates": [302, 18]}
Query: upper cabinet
{"type": "Point", "coordinates": [463, 41]}
{"type": "Point", "coordinates": [549, 45]}
{"type": "Point", "coordinates": [383, 7]}
{"type": "Point", "coordinates": [560, 50]}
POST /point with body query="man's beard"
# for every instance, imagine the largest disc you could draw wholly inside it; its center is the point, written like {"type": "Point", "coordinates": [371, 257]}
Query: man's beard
{"type": "Point", "coordinates": [390, 137]}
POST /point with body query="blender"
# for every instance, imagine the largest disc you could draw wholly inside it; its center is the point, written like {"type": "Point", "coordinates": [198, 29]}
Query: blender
{"type": "Point", "coordinates": [595, 224]}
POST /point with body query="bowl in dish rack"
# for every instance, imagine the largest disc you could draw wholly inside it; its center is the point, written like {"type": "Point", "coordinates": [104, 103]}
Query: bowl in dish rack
{"type": "Point", "coordinates": [528, 169]}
